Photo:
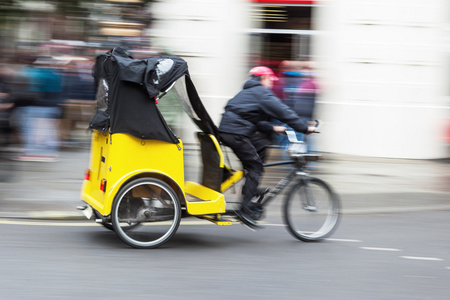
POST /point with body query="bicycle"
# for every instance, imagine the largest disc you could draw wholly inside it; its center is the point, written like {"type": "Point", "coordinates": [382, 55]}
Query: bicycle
{"type": "Point", "coordinates": [311, 209]}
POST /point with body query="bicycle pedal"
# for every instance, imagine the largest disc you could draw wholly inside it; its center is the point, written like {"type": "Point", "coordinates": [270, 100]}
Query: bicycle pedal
{"type": "Point", "coordinates": [247, 221]}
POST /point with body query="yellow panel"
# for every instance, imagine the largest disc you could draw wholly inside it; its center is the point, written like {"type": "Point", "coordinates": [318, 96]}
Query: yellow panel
{"type": "Point", "coordinates": [91, 192]}
{"type": "Point", "coordinates": [219, 150]}
{"type": "Point", "coordinates": [119, 157]}
{"type": "Point", "coordinates": [201, 200]}
{"type": "Point", "coordinates": [236, 177]}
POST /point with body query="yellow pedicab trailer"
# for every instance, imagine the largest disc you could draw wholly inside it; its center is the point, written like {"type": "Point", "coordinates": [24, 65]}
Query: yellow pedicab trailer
{"type": "Point", "coordinates": [135, 182]}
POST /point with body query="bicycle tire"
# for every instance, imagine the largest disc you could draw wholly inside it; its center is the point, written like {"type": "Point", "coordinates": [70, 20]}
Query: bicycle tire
{"type": "Point", "coordinates": [313, 220]}
{"type": "Point", "coordinates": [153, 205]}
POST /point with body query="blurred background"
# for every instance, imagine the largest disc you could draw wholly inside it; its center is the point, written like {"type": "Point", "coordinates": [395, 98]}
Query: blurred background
{"type": "Point", "coordinates": [376, 72]}
{"type": "Point", "coordinates": [381, 68]}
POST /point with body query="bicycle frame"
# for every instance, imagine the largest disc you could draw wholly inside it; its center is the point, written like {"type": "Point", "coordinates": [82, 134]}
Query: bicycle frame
{"type": "Point", "coordinates": [285, 181]}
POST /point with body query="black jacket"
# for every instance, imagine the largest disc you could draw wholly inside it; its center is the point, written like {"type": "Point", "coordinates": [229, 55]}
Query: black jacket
{"type": "Point", "coordinates": [252, 108]}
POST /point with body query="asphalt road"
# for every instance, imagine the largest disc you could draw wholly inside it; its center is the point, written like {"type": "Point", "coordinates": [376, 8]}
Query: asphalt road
{"type": "Point", "coordinates": [376, 256]}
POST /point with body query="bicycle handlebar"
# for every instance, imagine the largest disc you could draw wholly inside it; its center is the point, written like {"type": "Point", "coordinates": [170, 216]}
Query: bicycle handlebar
{"type": "Point", "coordinates": [318, 125]}
{"type": "Point", "coordinates": [292, 137]}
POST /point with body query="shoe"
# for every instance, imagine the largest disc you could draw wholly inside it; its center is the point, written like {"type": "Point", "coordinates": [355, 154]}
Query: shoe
{"type": "Point", "coordinates": [246, 219]}
{"type": "Point", "coordinates": [255, 210]}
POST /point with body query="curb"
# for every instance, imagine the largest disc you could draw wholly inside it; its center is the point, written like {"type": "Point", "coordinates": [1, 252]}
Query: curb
{"type": "Point", "coordinates": [44, 215]}
{"type": "Point", "coordinates": [71, 216]}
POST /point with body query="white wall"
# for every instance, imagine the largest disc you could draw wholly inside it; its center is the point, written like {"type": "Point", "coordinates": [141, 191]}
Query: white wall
{"type": "Point", "coordinates": [210, 36]}
{"type": "Point", "coordinates": [384, 76]}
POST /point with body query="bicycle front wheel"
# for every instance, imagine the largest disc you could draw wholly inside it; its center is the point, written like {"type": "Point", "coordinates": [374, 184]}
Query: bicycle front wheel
{"type": "Point", "coordinates": [146, 213]}
{"type": "Point", "coordinates": [311, 210]}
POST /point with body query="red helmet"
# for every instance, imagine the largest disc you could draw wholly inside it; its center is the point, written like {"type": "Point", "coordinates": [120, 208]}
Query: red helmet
{"type": "Point", "coordinates": [262, 70]}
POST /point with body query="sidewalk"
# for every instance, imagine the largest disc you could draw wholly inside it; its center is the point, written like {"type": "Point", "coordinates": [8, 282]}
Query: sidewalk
{"type": "Point", "coordinates": [365, 185]}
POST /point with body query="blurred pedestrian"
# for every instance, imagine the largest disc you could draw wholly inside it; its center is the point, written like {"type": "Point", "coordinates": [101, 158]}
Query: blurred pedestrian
{"type": "Point", "coordinates": [293, 78]}
{"type": "Point", "coordinates": [23, 93]}
{"type": "Point", "coordinates": [39, 120]}
{"type": "Point", "coordinates": [247, 113]}
{"type": "Point", "coordinates": [286, 90]}
{"type": "Point", "coordinates": [278, 85]}
{"type": "Point", "coordinates": [299, 93]}
{"type": "Point", "coordinates": [305, 100]}
{"type": "Point", "coordinates": [78, 83]}
{"type": "Point", "coordinates": [78, 98]}
{"type": "Point", "coordinates": [6, 106]}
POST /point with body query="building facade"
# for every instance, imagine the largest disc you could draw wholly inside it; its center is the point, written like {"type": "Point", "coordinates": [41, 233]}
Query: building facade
{"type": "Point", "coordinates": [383, 66]}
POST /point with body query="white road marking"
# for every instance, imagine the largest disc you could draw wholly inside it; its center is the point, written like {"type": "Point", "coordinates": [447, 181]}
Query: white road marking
{"type": "Point", "coordinates": [380, 249]}
{"type": "Point", "coordinates": [274, 225]}
{"type": "Point", "coordinates": [344, 240]}
{"type": "Point", "coordinates": [422, 258]}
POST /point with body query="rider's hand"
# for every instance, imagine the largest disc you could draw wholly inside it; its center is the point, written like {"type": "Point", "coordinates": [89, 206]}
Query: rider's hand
{"type": "Point", "coordinates": [311, 129]}
{"type": "Point", "coordinates": [279, 129]}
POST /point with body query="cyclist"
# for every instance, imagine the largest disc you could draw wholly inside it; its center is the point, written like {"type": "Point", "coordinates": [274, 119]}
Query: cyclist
{"type": "Point", "coordinates": [246, 114]}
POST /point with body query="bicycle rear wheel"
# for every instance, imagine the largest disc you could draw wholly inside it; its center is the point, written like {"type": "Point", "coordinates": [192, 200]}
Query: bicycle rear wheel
{"type": "Point", "coordinates": [146, 213]}
{"type": "Point", "coordinates": [311, 210]}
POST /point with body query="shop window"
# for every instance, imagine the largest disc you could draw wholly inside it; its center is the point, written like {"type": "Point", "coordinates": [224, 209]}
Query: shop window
{"type": "Point", "coordinates": [283, 17]}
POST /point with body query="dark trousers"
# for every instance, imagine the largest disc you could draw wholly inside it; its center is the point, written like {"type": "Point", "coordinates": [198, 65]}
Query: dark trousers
{"type": "Point", "coordinates": [251, 151]}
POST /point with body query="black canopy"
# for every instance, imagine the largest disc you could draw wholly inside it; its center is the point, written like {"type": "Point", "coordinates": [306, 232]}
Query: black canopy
{"type": "Point", "coordinates": [126, 95]}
